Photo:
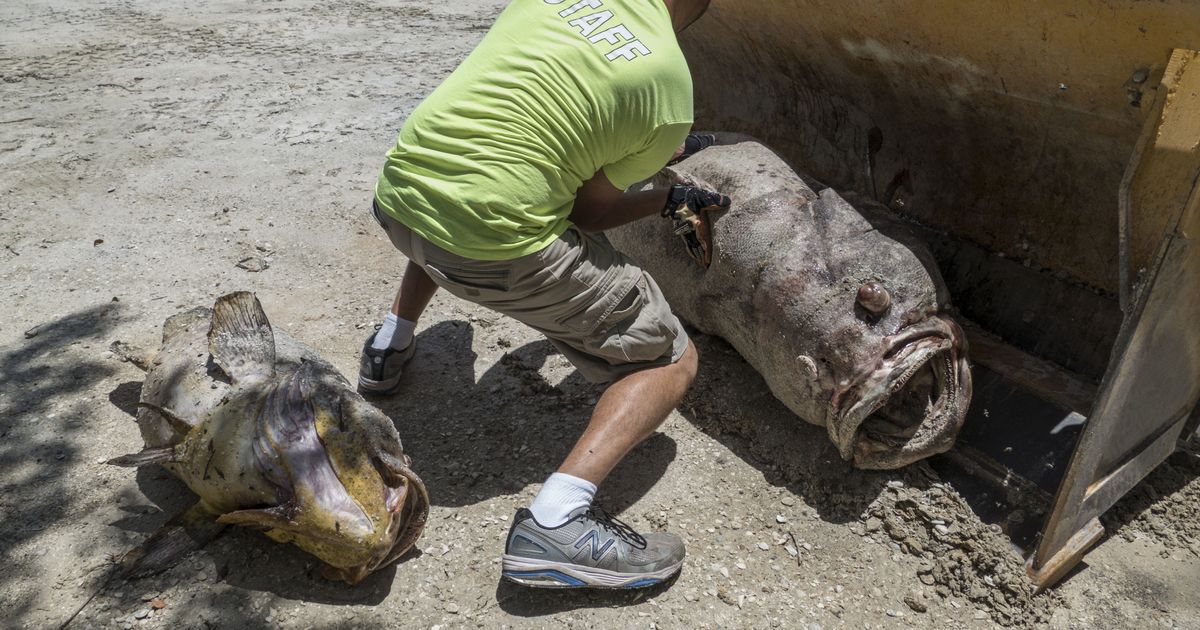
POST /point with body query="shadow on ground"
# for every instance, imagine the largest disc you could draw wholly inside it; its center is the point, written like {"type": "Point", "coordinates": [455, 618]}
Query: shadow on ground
{"type": "Point", "coordinates": [42, 421]}
{"type": "Point", "coordinates": [731, 402]}
{"type": "Point", "coordinates": [474, 441]}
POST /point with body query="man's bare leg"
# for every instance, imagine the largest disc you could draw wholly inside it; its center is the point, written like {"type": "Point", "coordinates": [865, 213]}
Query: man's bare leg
{"type": "Point", "coordinates": [391, 347]}
{"type": "Point", "coordinates": [627, 413]}
{"type": "Point", "coordinates": [416, 289]}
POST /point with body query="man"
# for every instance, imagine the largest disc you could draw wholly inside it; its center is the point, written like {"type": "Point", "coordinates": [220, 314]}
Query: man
{"type": "Point", "coordinates": [496, 191]}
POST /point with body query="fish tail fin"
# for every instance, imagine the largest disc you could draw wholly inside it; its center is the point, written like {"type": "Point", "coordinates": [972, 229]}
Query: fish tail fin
{"type": "Point", "coordinates": [178, 424]}
{"type": "Point", "coordinates": [240, 338]}
{"type": "Point", "coordinates": [145, 457]}
{"type": "Point", "coordinates": [188, 531]}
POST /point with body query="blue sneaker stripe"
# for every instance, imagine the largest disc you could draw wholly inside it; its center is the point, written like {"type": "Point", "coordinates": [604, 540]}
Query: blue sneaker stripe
{"type": "Point", "coordinates": [557, 575]}
{"type": "Point", "coordinates": [643, 582]}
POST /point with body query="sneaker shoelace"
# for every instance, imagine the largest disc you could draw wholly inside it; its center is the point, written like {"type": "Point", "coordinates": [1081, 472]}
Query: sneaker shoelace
{"type": "Point", "coordinates": [616, 526]}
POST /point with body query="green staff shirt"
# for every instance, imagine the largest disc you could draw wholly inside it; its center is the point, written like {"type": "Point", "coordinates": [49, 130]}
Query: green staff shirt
{"type": "Point", "coordinates": [487, 167]}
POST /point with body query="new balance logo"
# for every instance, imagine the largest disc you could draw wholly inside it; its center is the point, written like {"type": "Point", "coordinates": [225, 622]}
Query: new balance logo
{"type": "Point", "coordinates": [593, 538]}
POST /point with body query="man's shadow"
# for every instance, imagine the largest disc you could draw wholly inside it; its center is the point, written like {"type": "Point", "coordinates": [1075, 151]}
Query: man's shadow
{"type": "Point", "coordinates": [474, 441]}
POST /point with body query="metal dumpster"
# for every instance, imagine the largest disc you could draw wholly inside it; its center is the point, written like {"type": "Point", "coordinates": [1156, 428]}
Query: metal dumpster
{"type": "Point", "coordinates": [1050, 154]}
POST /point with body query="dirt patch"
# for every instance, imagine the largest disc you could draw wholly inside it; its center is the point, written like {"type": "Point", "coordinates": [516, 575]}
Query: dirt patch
{"type": "Point", "coordinates": [149, 149]}
{"type": "Point", "coordinates": [1164, 507]}
{"type": "Point", "coordinates": [960, 556]}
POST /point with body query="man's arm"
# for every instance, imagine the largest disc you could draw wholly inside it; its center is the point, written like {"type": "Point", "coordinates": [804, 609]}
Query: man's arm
{"type": "Point", "coordinates": [599, 205]}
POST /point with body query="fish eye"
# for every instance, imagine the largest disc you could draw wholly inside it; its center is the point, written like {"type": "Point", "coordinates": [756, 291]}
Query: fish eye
{"type": "Point", "coordinates": [873, 297]}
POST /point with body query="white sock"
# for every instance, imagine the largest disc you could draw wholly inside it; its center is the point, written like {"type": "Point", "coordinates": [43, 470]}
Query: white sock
{"type": "Point", "coordinates": [561, 495]}
{"type": "Point", "coordinates": [395, 333]}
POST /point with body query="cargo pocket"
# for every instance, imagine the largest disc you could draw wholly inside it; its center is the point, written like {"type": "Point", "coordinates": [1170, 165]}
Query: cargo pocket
{"type": "Point", "coordinates": [471, 284]}
{"type": "Point", "coordinates": [628, 307]}
{"type": "Point", "coordinates": [595, 295]}
{"type": "Point", "coordinates": [638, 332]}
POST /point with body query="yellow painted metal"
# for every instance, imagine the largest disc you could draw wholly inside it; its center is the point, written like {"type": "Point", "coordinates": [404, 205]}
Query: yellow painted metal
{"type": "Point", "coordinates": [1152, 386]}
{"type": "Point", "coordinates": [1006, 122]}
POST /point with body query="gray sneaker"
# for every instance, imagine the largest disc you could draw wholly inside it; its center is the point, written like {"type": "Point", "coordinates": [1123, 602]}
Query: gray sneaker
{"type": "Point", "coordinates": [379, 371]}
{"type": "Point", "coordinates": [592, 549]}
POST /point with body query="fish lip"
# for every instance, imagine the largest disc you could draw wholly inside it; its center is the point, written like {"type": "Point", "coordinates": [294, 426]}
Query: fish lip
{"type": "Point", "coordinates": [416, 498]}
{"type": "Point", "coordinates": [936, 341]}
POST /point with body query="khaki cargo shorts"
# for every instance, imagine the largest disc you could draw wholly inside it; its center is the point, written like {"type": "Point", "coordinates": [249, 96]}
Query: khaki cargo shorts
{"type": "Point", "coordinates": [606, 315]}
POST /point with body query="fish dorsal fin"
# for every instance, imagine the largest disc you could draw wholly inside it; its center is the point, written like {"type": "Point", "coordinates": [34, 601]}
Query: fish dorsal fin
{"type": "Point", "coordinates": [240, 338]}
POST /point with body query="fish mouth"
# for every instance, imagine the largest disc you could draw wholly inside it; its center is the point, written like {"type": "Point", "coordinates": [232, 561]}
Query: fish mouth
{"type": "Point", "coordinates": [408, 509]}
{"type": "Point", "coordinates": [912, 404]}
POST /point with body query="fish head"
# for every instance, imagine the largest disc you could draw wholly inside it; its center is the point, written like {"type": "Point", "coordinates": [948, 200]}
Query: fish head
{"type": "Point", "coordinates": [898, 381]}
{"type": "Point", "coordinates": [345, 491]}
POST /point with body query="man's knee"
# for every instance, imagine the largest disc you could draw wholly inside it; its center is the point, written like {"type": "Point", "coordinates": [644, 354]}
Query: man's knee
{"type": "Point", "coordinates": [689, 363]}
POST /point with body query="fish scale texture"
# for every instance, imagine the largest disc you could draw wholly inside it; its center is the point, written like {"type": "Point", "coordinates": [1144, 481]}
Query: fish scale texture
{"type": "Point", "coordinates": [782, 287]}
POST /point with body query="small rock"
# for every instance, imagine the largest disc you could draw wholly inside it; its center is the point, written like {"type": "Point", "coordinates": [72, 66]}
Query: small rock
{"type": "Point", "coordinates": [764, 546]}
{"type": "Point", "coordinates": [915, 602]}
{"type": "Point", "coordinates": [690, 596]}
{"type": "Point", "coordinates": [873, 524]}
{"type": "Point", "coordinates": [452, 608]}
{"type": "Point", "coordinates": [788, 501]}
{"type": "Point", "coordinates": [779, 518]}
{"type": "Point", "coordinates": [894, 613]}
{"type": "Point", "coordinates": [253, 264]}
{"type": "Point", "coordinates": [979, 614]}
{"type": "Point", "coordinates": [142, 614]}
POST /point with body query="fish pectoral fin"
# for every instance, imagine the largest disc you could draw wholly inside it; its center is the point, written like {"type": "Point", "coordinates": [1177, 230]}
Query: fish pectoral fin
{"type": "Point", "coordinates": [264, 519]}
{"type": "Point", "coordinates": [130, 353]}
{"type": "Point", "coordinates": [240, 338]}
{"type": "Point", "coordinates": [184, 533]}
{"type": "Point", "coordinates": [146, 456]}
{"type": "Point", "coordinates": [179, 425]}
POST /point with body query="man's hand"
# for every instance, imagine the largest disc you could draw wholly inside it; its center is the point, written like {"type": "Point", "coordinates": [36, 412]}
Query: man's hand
{"type": "Point", "coordinates": [691, 208]}
{"type": "Point", "coordinates": [695, 143]}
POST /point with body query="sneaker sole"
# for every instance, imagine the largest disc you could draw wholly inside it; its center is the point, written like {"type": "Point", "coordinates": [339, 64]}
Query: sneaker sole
{"type": "Point", "coordinates": [542, 574]}
{"type": "Point", "coordinates": [377, 388]}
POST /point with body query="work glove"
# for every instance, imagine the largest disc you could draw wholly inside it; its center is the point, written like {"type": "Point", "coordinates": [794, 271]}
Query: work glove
{"type": "Point", "coordinates": [695, 143]}
{"type": "Point", "coordinates": [691, 208]}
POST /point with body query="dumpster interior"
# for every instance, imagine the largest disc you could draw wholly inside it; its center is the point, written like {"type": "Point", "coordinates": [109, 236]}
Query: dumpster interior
{"type": "Point", "coordinates": [1003, 137]}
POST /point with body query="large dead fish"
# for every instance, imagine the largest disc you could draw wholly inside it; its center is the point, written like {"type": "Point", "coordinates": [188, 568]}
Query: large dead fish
{"type": "Point", "coordinates": [271, 436]}
{"type": "Point", "coordinates": [844, 323]}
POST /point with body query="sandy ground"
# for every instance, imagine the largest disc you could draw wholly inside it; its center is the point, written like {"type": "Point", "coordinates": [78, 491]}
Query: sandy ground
{"type": "Point", "coordinates": [146, 148]}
